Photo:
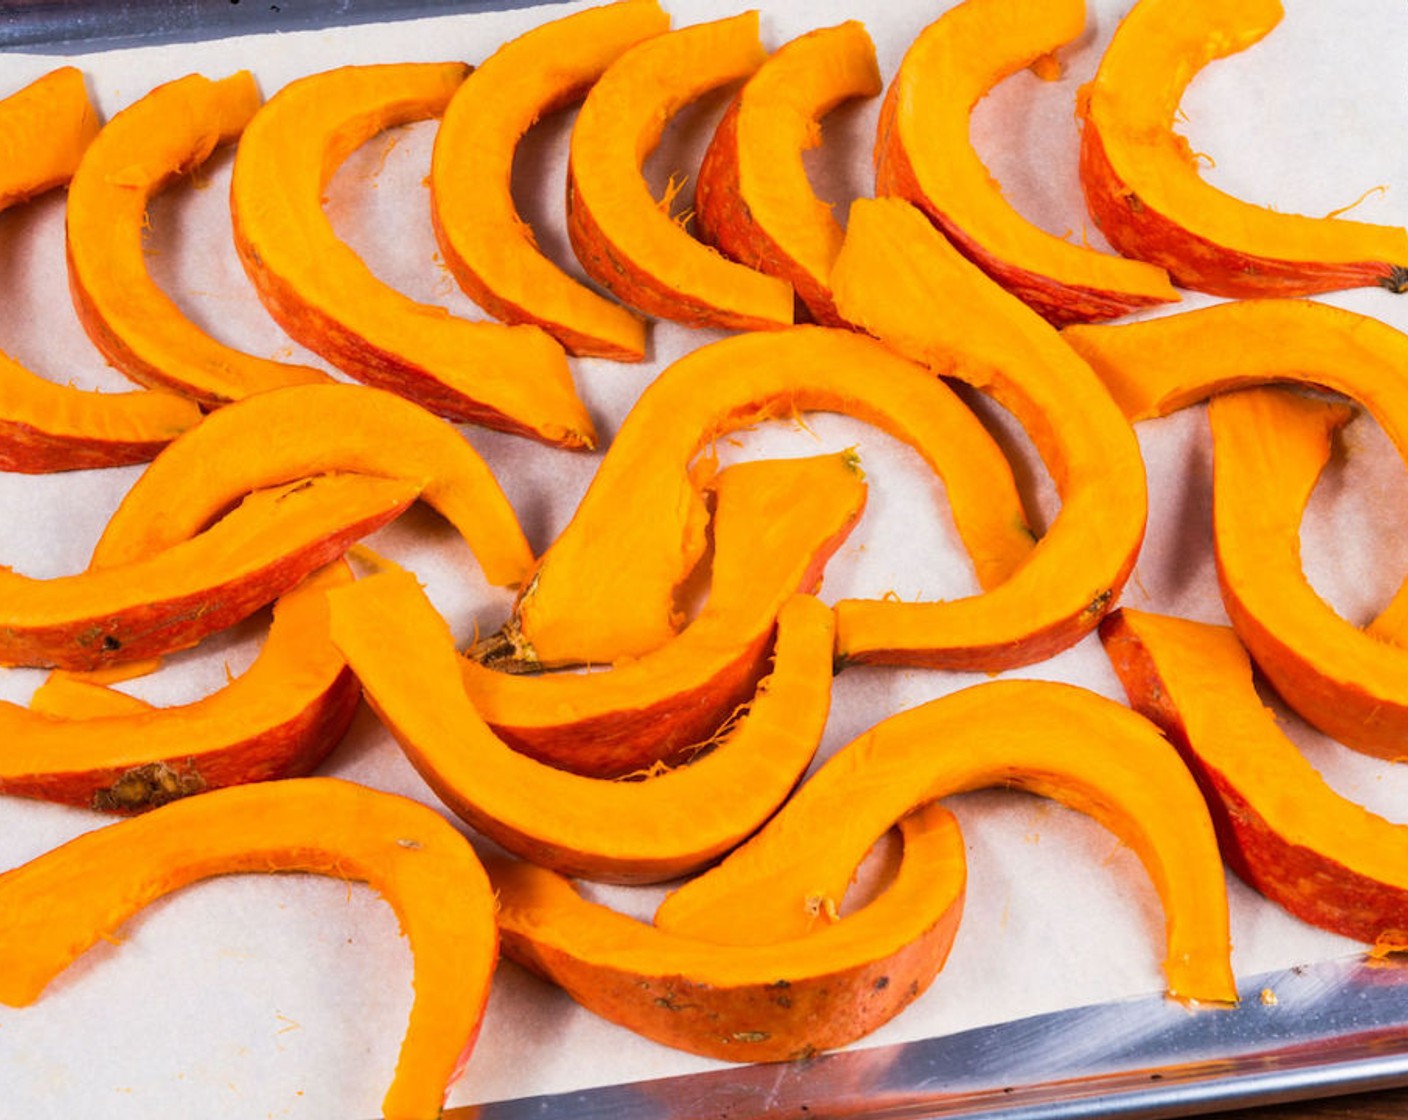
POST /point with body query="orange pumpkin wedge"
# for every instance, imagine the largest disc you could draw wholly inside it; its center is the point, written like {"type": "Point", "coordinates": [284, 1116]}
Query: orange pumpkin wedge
{"type": "Point", "coordinates": [44, 130]}
{"type": "Point", "coordinates": [171, 600]}
{"type": "Point", "coordinates": [604, 590]}
{"type": "Point", "coordinates": [628, 242]}
{"type": "Point", "coordinates": [1056, 740]}
{"type": "Point", "coordinates": [1268, 449]}
{"type": "Point", "coordinates": [486, 244]}
{"type": "Point", "coordinates": [139, 329]}
{"type": "Point", "coordinates": [1141, 178]}
{"type": "Point", "coordinates": [900, 279]}
{"type": "Point", "coordinates": [325, 297]}
{"type": "Point", "coordinates": [764, 1003]}
{"type": "Point", "coordinates": [46, 426]}
{"type": "Point", "coordinates": [103, 750]}
{"type": "Point", "coordinates": [286, 434]}
{"type": "Point", "coordinates": [753, 200]}
{"type": "Point", "coordinates": [60, 904]}
{"type": "Point", "coordinates": [924, 154]}
{"type": "Point", "coordinates": [776, 523]}
{"type": "Point", "coordinates": [1282, 827]}
{"type": "Point", "coordinates": [620, 831]}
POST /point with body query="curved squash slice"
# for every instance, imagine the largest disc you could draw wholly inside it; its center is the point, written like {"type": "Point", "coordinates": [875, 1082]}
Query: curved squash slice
{"type": "Point", "coordinates": [605, 588]}
{"type": "Point", "coordinates": [753, 199]}
{"type": "Point", "coordinates": [766, 1003]}
{"type": "Point", "coordinates": [287, 434]}
{"type": "Point", "coordinates": [1141, 178]}
{"type": "Point", "coordinates": [173, 599]}
{"type": "Point", "coordinates": [644, 831]}
{"type": "Point", "coordinates": [1052, 739]}
{"type": "Point", "coordinates": [44, 130]}
{"type": "Point", "coordinates": [629, 243]}
{"type": "Point", "coordinates": [924, 154]}
{"type": "Point", "coordinates": [1283, 828]}
{"type": "Point", "coordinates": [57, 906]}
{"type": "Point", "coordinates": [776, 523]}
{"type": "Point", "coordinates": [1268, 449]}
{"type": "Point", "coordinates": [45, 426]}
{"type": "Point", "coordinates": [900, 279]}
{"type": "Point", "coordinates": [277, 720]}
{"type": "Point", "coordinates": [486, 244]}
{"type": "Point", "coordinates": [320, 292]}
{"type": "Point", "coordinates": [140, 330]}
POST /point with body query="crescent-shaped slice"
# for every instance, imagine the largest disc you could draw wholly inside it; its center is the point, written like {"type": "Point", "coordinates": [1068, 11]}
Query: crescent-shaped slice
{"type": "Point", "coordinates": [138, 327]}
{"type": "Point", "coordinates": [900, 279]}
{"type": "Point", "coordinates": [776, 523]}
{"type": "Point", "coordinates": [605, 588]}
{"type": "Point", "coordinates": [1144, 190]}
{"type": "Point", "coordinates": [60, 904]}
{"type": "Point", "coordinates": [783, 1001]}
{"type": "Point", "coordinates": [325, 297]}
{"type": "Point", "coordinates": [279, 719]}
{"type": "Point", "coordinates": [171, 600]}
{"type": "Point", "coordinates": [626, 240]}
{"type": "Point", "coordinates": [489, 248]}
{"type": "Point", "coordinates": [924, 154]}
{"type": "Point", "coordinates": [1282, 827]}
{"type": "Point", "coordinates": [44, 425]}
{"type": "Point", "coordinates": [753, 200]}
{"type": "Point", "coordinates": [621, 831]}
{"type": "Point", "coordinates": [1052, 739]}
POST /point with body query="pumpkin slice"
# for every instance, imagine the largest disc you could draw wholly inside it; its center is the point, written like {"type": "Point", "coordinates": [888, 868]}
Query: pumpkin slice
{"type": "Point", "coordinates": [1268, 449]}
{"type": "Point", "coordinates": [1144, 190]}
{"type": "Point", "coordinates": [924, 154]}
{"type": "Point", "coordinates": [776, 523]}
{"type": "Point", "coordinates": [753, 200]}
{"type": "Point", "coordinates": [131, 611]}
{"type": "Point", "coordinates": [58, 905]}
{"type": "Point", "coordinates": [1052, 739]}
{"type": "Point", "coordinates": [628, 242]}
{"type": "Point", "coordinates": [900, 279]}
{"type": "Point", "coordinates": [488, 247]}
{"type": "Point", "coordinates": [777, 1002]}
{"type": "Point", "coordinates": [1282, 827]}
{"type": "Point", "coordinates": [641, 831]}
{"type": "Point", "coordinates": [605, 588]}
{"type": "Point", "coordinates": [45, 426]}
{"type": "Point", "coordinates": [287, 434]}
{"type": "Point", "coordinates": [139, 329]}
{"type": "Point", "coordinates": [80, 696]}
{"type": "Point", "coordinates": [324, 296]}
{"type": "Point", "coordinates": [104, 750]}
{"type": "Point", "coordinates": [44, 130]}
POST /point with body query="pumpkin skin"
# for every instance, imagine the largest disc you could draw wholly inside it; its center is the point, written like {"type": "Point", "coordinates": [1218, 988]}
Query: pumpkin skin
{"type": "Point", "coordinates": [923, 154]}
{"type": "Point", "coordinates": [627, 832]}
{"type": "Point", "coordinates": [900, 279]}
{"type": "Point", "coordinates": [83, 744]}
{"type": "Point", "coordinates": [488, 247]}
{"type": "Point", "coordinates": [47, 426]}
{"type": "Point", "coordinates": [314, 285]}
{"type": "Point", "coordinates": [1282, 827]}
{"type": "Point", "coordinates": [629, 243]}
{"type": "Point", "coordinates": [753, 200]}
{"type": "Point", "coordinates": [775, 524]}
{"type": "Point", "coordinates": [1057, 740]}
{"type": "Point", "coordinates": [1142, 184]}
{"type": "Point", "coordinates": [159, 138]}
{"type": "Point", "coordinates": [782, 1001]}
{"type": "Point", "coordinates": [63, 902]}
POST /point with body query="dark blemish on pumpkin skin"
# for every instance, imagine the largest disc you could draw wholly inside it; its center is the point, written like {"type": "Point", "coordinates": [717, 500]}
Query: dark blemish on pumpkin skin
{"type": "Point", "coordinates": [147, 787]}
{"type": "Point", "coordinates": [111, 644]}
{"type": "Point", "coordinates": [882, 983]}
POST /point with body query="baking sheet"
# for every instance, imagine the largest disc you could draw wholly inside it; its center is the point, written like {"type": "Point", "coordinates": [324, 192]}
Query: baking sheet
{"type": "Point", "coordinates": [287, 997]}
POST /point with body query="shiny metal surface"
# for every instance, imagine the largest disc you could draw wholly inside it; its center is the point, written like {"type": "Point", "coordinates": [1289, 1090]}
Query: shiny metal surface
{"type": "Point", "coordinates": [1337, 1027]}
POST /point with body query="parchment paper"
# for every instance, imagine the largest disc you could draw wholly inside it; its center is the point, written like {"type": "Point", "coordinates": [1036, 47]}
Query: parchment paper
{"type": "Point", "coordinates": [287, 996]}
